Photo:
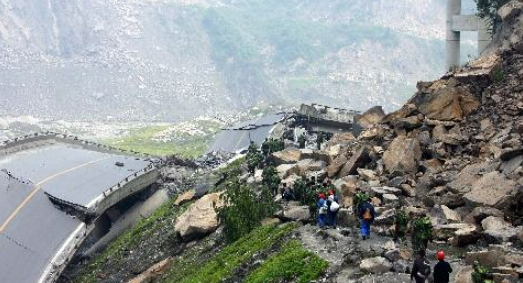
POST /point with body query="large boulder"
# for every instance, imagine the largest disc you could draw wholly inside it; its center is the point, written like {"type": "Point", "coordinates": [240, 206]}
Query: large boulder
{"type": "Point", "coordinates": [367, 175]}
{"type": "Point", "coordinates": [347, 188]}
{"type": "Point", "coordinates": [469, 175]}
{"type": "Point", "coordinates": [359, 159]}
{"type": "Point", "coordinates": [493, 189]}
{"type": "Point", "coordinates": [335, 166]}
{"type": "Point", "coordinates": [286, 170]}
{"type": "Point", "coordinates": [464, 275]}
{"type": "Point", "coordinates": [479, 213]}
{"type": "Point", "coordinates": [288, 156]}
{"type": "Point", "coordinates": [375, 265]}
{"type": "Point", "coordinates": [154, 272]}
{"type": "Point", "coordinates": [185, 197]}
{"type": "Point", "coordinates": [310, 165]}
{"type": "Point", "coordinates": [465, 236]}
{"type": "Point", "coordinates": [447, 103]}
{"type": "Point", "coordinates": [490, 258]}
{"type": "Point", "coordinates": [200, 219]}
{"type": "Point", "coordinates": [402, 156]}
{"type": "Point", "coordinates": [447, 214]}
{"type": "Point", "coordinates": [371, 117]}
{"type": "Point", "coordinates": [497, 230]}
{"type": "Point", "coordinates": [447, 231]}
{"type": "Point", "coordinates": [296, 213]}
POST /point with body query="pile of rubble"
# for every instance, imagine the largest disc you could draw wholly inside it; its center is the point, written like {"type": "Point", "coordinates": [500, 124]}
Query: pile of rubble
{"type": "Point", "coordinates": [454, 152]}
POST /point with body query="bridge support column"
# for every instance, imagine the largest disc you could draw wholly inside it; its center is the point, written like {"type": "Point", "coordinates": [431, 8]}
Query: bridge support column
{"type": "Point", "coordinates": [453, 37]}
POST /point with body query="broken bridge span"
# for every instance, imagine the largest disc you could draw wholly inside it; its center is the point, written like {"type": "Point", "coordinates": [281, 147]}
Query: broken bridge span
{"type": "Point", "coordinates": [44, 172]}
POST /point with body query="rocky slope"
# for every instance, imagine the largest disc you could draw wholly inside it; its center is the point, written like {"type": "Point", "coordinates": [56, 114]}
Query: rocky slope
{"type": "Point", "coordinates": [173, 59]}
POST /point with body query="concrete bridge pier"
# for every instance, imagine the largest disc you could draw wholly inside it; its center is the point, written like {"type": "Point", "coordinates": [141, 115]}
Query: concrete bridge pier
{"type": "Point", "coordinates": [457, 23]}
{"type": "Point", "coordinates": [453, 37]}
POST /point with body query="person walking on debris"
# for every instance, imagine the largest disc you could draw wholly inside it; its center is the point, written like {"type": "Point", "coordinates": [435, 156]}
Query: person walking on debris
{"type": "Point", "coordinates": [265, 147]}
{"type": "Point", "coordinates": [302, 141]}
{"type": "Point", "coordinates": [322, 210]}
{"type": "Point", "coordinates": [286, 193]}
{"type": "Point", "coordinates": [334, 207]}
{"type": "Point", "coordinates": [319, 140]}
{"type": "Point", "coordinates": [442, 269]}
{"type": "Point", "coordinates": [420, 269]}
{"type": "Point", "coordinates": [366, 215]}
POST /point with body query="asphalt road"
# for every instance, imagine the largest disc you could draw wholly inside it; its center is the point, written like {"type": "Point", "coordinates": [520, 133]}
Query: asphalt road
{"type": "Point", "coordinates": [32, 230]}
{"type": "Point", "coordinates": [239, 136]}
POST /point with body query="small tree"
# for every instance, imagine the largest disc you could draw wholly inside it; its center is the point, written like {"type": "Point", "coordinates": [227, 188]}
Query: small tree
{"type": "Point", "coordinates": [421, 233]}
{"type": "Point", "coordinates": [271, 179]}
{"type": "Point", "coordinates": [488, 9]}
{"type": "Point", "coordinates": [244, 209]}
{"type": "Point", "coordinates": [481, 274]}
{"type": "Point", "coordinates": [401, 223]}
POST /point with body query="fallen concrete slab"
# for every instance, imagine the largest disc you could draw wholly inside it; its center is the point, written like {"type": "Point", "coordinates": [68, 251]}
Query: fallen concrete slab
{"type": "Point", "coordinates": [238, 137]}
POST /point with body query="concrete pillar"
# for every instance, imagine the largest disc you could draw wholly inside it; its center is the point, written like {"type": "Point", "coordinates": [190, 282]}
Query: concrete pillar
{"type": "Point", "coordinates": [484, 36]}
{"type": "Point", "coordinates": [453, 37]}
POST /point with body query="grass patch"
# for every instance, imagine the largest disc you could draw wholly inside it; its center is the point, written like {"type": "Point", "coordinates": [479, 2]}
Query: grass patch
{"type": "Point", "coordinates": [222, 265]}
{"type": "Point", "coordinates": [292, 263]}
{"type": "Point", "coordinates": [141, 140]}
{"type": "Point", "coordinates": [130, 240]}
{"type": "Point", "coordinates": [182, 144]}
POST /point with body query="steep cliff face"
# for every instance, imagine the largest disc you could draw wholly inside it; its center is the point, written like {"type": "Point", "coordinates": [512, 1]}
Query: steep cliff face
{"type": "Point", "coordinates": [174, 59]}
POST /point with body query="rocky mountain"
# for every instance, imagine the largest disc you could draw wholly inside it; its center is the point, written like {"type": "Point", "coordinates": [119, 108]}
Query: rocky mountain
{"type": "Point", "coordinates": [177, 59]}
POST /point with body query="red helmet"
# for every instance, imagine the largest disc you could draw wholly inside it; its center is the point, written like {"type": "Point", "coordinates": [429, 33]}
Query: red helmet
{"type": "Point", "coordinates": [440, 255]}
{"type": "Point", "coordinates": [321, 196]}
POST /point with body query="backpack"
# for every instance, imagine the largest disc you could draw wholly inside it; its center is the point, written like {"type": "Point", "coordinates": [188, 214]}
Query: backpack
{"type": "Point", "coordinates": [334, 206]}
{"type": "Point", "coordinates": [367, 215]}
{"type": "Point", "coordinates": [425, 270]}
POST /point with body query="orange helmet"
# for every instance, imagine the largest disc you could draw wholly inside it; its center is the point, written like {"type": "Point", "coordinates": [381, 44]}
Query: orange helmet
{"type": "Point", "coordinates": [440, 255]}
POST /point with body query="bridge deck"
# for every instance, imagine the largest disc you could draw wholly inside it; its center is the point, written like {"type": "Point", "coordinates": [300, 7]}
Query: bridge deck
{"type": "Point", "coordinates": [36, 236]}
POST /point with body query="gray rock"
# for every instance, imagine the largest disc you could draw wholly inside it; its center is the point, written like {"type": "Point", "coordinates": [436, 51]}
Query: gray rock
{"type": "Point", "coordinates": [497, 230]}
{"type": "Point", "coordinates": [480, 213]}
{"type": "Point", "coordinates": [493, 190]}
{"type": "Point", "coordinates": [375, 265]}
{"type": "Point", "coordinates": [402, 156]}
{"type": "Point", "coordinates": [296, 213]}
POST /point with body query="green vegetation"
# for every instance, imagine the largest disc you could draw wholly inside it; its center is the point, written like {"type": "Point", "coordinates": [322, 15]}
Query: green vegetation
{"type": "Point", "coordinates": [498, 75]}
{"type": "Point", "coordinates": [488, 9]}
{"type": "Point", "coordinates": [421, 233]}
{"type": "Point", "coordinates": [358, 199]}
{"type": "Point", "coordinates": [401, 222]}
{"type": "Point", "coordinates": [244, 210]}
{"type": "Point", "coordinates": [180, 144]}
{"type": "Point", "coordinates": [116, 253]}
{"type": "Point", "coordinates": [481, 274]}
{"type": "Point", "coordinates": [229, 174]}
{"type": "Point", "coordinates": [291, 263]}
{"type": "Point", "coordinates": [223, 265]}
{"type": "Point", "coordinates": [270, 178]}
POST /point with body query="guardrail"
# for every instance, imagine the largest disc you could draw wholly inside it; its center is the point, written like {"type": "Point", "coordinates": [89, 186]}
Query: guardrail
{"type": "Point", "coordinates": [5, 145]}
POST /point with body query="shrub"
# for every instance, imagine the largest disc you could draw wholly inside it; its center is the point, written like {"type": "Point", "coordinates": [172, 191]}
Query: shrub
{"type": "Point", "coordinates": [244, 209]}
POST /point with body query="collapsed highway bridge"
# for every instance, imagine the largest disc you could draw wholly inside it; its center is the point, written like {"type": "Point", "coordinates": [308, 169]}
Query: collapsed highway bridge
{"type": "Point", "coordinates": [52, 189]}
